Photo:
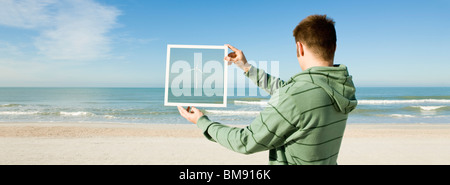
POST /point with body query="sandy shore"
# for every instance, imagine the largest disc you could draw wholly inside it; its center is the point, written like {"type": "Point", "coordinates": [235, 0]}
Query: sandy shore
{"type": "Point", "coordinates": [113, 143]}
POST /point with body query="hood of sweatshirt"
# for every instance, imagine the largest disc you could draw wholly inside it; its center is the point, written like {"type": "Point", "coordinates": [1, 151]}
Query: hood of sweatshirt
{"type": "Point", "coordinates": [336, 81]}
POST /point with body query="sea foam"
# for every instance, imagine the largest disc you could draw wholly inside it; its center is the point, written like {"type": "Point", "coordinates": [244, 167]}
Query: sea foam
{"type": "Point", "coordinates": [228, 112]}
{"type": "Point", "coordinates": [381, 102]}
{"type": "Point", "coordinates": [76, 114]}
{"type": "Point", "coordinates": [18, 113]}
{"type": "Point", "coordinates": [239, 102]}
{"type": "Point", "coordinates": [401, 116]}
{"type": "Point", "coordinates": [429, 108]}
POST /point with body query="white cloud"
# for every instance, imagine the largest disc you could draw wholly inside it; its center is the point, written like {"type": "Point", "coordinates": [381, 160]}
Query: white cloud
{"type": "Point", "coordinates": [8, 50]}
{"type": "Point", "coordinates": [68, 29]}
{"type": "Point", "coordinates": [25, 13]}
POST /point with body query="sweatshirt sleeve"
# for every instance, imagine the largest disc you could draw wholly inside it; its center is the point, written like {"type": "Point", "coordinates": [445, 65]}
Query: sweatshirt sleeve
{"type": "Point", "coordinates": [269, 130]}
{"type": "Point", "coordinates": [263, 80]}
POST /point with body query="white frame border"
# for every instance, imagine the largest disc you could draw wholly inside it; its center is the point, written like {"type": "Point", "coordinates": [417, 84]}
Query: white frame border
{"type": "Point", "coordinates": [225, 82]}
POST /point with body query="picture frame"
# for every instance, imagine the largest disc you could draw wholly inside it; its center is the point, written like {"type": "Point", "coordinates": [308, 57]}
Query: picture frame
{"type": "Point", "coordinates": [196, 75]}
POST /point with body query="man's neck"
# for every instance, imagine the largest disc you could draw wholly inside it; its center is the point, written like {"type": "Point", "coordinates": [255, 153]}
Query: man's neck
{"type": "Point", "coordinates": [315, 63]}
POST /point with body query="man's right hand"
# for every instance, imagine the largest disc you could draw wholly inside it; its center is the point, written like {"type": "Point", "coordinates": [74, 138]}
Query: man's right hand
{"type": "Point", "coordinates": [237, 57]}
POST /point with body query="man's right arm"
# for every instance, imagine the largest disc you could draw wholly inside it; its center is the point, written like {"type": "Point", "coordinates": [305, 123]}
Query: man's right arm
{"type": "Point", "coordinates": [259, 77]}
{"type": "Point", "coordinates": [264, 80]}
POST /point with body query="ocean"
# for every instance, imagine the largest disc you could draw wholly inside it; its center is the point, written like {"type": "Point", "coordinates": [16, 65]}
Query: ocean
{"type": "Point", "coordinates": [146, 105]}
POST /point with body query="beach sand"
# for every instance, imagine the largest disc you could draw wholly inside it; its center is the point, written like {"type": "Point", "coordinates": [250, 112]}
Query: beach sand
{"type": "Point", "coordinates": [117, 143]}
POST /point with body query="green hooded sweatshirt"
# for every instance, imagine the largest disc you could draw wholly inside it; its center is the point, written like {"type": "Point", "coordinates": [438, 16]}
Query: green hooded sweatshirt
{"type": "Point", "coordinates": [304, 122]}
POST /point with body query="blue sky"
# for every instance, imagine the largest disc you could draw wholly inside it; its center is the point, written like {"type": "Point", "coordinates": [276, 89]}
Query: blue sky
{"type": "Point", "coordinates": [122, 43]}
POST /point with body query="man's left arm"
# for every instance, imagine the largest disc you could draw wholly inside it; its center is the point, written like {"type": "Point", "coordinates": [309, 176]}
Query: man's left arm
{"type": "Point", "coordinates": [269, 130]}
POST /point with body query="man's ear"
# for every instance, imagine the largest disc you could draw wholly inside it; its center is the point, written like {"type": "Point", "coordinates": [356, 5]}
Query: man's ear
{"type": "Point", "coordinates": [300, 49]}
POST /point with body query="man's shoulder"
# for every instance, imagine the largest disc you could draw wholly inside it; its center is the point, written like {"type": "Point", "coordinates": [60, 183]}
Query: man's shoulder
{"type": "Point", "coordinates": [305, 94]}
{"type": "Point", "coordinates": [300, 93]}
{"type": "Point", "coordinates": [299, 88]}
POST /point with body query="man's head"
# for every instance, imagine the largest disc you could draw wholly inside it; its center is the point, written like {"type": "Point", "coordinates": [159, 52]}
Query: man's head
{"type": "Point", "coordinates": [315, 37]}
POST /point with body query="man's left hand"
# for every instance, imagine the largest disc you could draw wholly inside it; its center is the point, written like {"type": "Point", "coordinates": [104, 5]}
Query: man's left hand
{"type": "Point", "coordinates": [191, 114]}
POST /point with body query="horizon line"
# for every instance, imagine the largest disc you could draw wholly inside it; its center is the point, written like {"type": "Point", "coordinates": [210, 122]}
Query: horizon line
{"type": "Point", "coordinates": [164, 87]}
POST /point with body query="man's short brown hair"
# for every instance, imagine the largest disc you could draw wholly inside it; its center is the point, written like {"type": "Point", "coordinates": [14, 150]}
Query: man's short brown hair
{"type": "Point", "coordinates": [317, 32]}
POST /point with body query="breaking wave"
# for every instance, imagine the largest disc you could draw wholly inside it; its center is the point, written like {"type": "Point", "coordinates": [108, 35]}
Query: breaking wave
{"type": "Point", "coordinates": [229, 112]}
{"type": "Point", "coordinates": [239, 102]}
{"type": "Point", "coordinates": [415, 101]}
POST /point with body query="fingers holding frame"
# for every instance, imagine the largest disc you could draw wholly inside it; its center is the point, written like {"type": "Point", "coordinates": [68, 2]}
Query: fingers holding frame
{"type": "Point", "coordinates": [232, 48]}
{"type": "Point", "coordinates": [183, 112]}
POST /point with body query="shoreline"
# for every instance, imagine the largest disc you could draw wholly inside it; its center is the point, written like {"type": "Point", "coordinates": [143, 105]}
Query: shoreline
{"type": "Point", "coordinates": [179, 144]}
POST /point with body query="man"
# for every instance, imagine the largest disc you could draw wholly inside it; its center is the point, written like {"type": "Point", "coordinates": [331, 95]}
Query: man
{"type": "Point", "coordinates": [306, 117]}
